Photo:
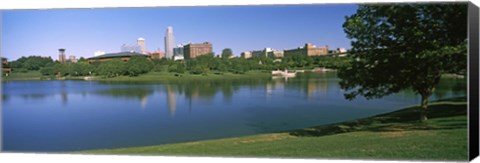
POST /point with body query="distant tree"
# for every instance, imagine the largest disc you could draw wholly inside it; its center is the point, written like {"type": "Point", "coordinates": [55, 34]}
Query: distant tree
{"type": "Point", "coordinates": [138, 65]}
{"type": "Point", "coordinates": [398, 47]}
{"type": "Point", "coordinates": [18, 63]}
{"type": "Point", "coordinates": [176, 67]}
{"type": "Point", "coordinates": [80, 69]}
{"type": "Point", "coordinates": [48, 69]}
{"type": "Point", "coordinates": [82, 59]}
{"type": "Point", "coordinates": [61, 69]}
{"type": "Point", "coordinates": [31, 62]}
{"type": "Point", "coordinates": [112, 68]}
{"type": "Point", "coordinates": [227, 53]}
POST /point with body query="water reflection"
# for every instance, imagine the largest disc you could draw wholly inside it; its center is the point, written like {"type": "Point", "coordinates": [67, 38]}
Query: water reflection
{"type": "Point", "coordinates": [138, 93]}
{"type": "Point", "coordinates": [315, 86]}
{"type": "Point", "coordinates": [171, 100]}
{"type": "Point", "coordinates": [111, 110]}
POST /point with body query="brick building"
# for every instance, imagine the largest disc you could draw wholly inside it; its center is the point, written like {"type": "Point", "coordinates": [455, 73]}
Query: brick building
{"type": "Point", "coordinates": [195, 50]}
{"type": "Point", "coordinates": [308, 50]}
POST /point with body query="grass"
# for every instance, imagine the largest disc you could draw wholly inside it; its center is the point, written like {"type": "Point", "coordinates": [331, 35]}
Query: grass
{"type": "Point", "coordinates": [395, 135]}
{"type": "Point", "coordinates": [166, 76]}
{"type": "Point", "coordinates": [150, 76]}
{"type": "Point", "coordinates": [30, 75]}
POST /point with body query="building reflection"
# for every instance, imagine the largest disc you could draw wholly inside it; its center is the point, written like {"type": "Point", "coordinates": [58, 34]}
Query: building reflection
{"type": "Point", "coordinates": [171, 100]}
{"type": "Point", "coordinates": [64, 93]}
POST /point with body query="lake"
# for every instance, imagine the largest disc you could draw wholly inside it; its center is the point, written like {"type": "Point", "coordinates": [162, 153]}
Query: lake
{"type": "Point", "coordinates": [63, 116]}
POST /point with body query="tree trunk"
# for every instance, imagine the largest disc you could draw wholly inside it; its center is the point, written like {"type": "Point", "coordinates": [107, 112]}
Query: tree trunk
{"type": "Point", "coordinates": [424, 105]}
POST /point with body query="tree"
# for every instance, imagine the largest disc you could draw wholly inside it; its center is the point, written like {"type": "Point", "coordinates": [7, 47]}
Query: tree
{"type": "Point", "coordinates": [408, 46]}
{"type": "Point", "coordinates": [227, 53]}
{"type": "Point", "coordinates": [112, 68]}
{"type": "Point", "coordinates": [80, 69]}
{"type": "Point", "coordinates": [138, 65]}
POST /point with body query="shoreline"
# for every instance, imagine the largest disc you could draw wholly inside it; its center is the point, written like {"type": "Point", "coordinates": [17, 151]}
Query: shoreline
{"type": "Point", "coordinates": [400, 124]}
{"type": "Point", "coordinates": [168, 76]}
{"type": "Point", "coordinates": [151, 76]}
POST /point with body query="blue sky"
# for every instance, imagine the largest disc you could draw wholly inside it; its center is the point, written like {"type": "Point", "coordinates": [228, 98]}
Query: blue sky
{"type": "Point", "coordinates": [241, 28]}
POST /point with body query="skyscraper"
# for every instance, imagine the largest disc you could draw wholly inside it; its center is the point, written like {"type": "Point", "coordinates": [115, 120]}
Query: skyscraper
{"type": "Point", "coordinates": [141, 43]}
{"type": "Point", "coordinates": [169, 43]}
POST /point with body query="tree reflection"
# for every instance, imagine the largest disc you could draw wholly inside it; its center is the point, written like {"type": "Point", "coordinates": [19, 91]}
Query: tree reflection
{"type": "Point", "coordinates": [139, 93]}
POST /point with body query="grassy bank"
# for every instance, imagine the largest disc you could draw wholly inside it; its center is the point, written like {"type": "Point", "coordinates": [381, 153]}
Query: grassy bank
{"type": "Point", "coordinates": [166, 76]}
{"type": "Point", "coordinates": [151, 76]}
{"type": "Point", "coordinates": [30, 75]}
{"type": "Point", "coordinates": [395, 135]}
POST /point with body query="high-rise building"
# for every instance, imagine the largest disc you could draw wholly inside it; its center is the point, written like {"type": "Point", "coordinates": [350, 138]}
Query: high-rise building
{"type": "Point", "coordinates": [195, 50]}
{"type": "Point", "coordinates": [141, 44]}
{"type": "Point", "coordinates": [169, 42]}
{"type": "Point", "coordinates": [61, 57]}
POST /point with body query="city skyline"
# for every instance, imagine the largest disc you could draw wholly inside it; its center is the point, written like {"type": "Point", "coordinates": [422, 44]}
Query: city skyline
{"type": "Point", "coordinates": [242, 28]}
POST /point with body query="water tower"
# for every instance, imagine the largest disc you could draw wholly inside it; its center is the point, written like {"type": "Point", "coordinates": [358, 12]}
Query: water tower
{"type": "Point", "coordinates": [61, 57]}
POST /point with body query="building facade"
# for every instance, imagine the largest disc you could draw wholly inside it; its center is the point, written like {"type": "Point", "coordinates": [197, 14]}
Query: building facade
{"type": "Point", "coordinates": [157, 55]}
{"type": "Point", "coordinates": [195, 50]}
{"type": "Point", "coordinates": [169, 42]}
{"type": "Point", "coordinates": [308, 50]}
{"type": "Point", "coordinates": [276, 54]}
{"type": "Point", "coordinates": [6, 70]}
{"type": "Point", "coordinates": [72, 58]}
{"type": "Point", "coordinates": [246, 54]}
{"type": "Point", "coordinates": [178, 51]}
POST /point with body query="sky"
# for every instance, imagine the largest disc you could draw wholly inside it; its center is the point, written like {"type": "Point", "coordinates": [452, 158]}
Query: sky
{"type": "Point", "coordinates": [241, 28]}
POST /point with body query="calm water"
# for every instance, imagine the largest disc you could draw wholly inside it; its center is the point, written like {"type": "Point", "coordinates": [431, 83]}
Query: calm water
{"type": "Point", "coordinates": [57, 116]}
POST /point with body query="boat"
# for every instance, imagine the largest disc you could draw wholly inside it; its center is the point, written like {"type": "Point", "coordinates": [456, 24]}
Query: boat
{"type": "Point", "coordinates": [284, 73]}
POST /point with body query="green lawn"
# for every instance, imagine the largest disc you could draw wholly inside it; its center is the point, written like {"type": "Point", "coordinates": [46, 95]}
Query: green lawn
{"type": "Point", "coordinates": [166, 76]}
{"type": "Point", "coordinates": [150, 76]}
{"type": "Point", "coordinates": [396, 135]}
{"type": "Point", "coordinates": [30, 75]}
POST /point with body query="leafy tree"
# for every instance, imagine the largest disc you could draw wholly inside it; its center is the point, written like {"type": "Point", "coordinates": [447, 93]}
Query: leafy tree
{"type": "Point", "coordinates": [80, 69]}
{"type": "Point", "coordinates": [82, 59]}
{"type": "Point", "coordinates": [176, 67]}
{"type": "Point", "coordinates": [61, 69]}
{"type": "Point", "coordinates": [226, 53]}
{"type": "Point", "coordinates": [138, 65]}
{"type": "Point", "coordinates": [408, 46]}
{"type": "Point", "coordinates": [18, 63]}
{"type": "Point", "coordinates": [31, 62]}
{"type": "Point", "coordinates": [112, 68]}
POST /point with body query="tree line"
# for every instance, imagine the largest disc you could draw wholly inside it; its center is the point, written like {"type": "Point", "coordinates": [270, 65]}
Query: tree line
{"type": "Point", "coordinates": [204, 64]}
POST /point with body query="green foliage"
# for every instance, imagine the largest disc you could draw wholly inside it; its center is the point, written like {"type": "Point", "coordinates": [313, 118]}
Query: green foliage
{"type": "Point", "coordinates": [397, 47]}
{"type": "Point", "coordinates": [80, 69]}
{"type": "Point", "coordinates": [61, 69]}
{"type": "Point", "coordinates": [48, 70]}
{"type": "Point", "coordinates": [20, 70]}
{"type": "Point", "coordinates": [138, 65]}
{"type": "Point", "coordinates": [226, 53]}
{"type": "Point", "coordinates": [176, 67]}
{"type": "Point", "coordinates": [31, 62]}
{"type": "Point", "coordinates": [112, 68]}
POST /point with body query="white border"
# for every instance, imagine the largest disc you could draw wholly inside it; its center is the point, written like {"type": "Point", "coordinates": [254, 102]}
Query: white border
{"type": "Point", "coordinates": [50, 4]}
{"type": "Point", "coordinates": [63, 4]}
